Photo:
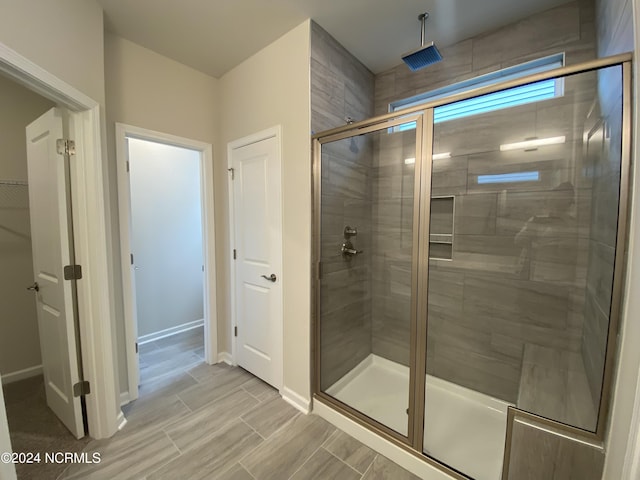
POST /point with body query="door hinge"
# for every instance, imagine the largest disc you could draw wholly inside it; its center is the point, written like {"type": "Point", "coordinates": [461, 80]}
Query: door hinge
{"type": "Point", "coordinates": [81, 388]}
{"type": "Point", "coordinates": [131, 254]}
{"type": "Point", "coordinates": [72, 272]}
{"type": "Point", "coordinates": [235, 254]}
{"type": "Point", "coordinates": [136, 347]}
{"type": "Point", "coordinates": [65, 147]}
{"type": "Point", "coordinates": [233, 173]}
{"type": "Point", "coordinates": [235, 331]}
{"type": "Point", "coordinates": [127, 165]}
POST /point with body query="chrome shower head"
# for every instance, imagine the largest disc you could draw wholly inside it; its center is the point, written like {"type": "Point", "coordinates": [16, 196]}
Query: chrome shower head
{"type": "Point", "coordinates": [425, 55]}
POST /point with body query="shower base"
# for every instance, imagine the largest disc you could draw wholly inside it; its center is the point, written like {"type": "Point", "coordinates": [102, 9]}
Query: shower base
{"type": "Point", "coordinates": [463, 428]}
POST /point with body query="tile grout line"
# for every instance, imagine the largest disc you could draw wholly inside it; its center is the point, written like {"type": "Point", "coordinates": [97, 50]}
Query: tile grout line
{"type": "Point", "coordinates": [304, 463]}
{"type": "Point", "coordinates": [342, 461]}
{"type": "Point", "coordinates": [257, 432]}
{"type": "Point", "coordinates": [371, 465]}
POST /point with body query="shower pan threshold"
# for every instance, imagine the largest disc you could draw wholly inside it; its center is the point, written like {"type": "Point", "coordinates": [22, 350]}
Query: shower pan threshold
{"type": "Point", "coordinates": [463, 428]}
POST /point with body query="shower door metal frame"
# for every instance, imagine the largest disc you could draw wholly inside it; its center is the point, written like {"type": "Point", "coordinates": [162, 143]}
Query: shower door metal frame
{"type": "Point", "coordinates": [317, 191]}
{"type": "Point", "coordinates": [420, 319]}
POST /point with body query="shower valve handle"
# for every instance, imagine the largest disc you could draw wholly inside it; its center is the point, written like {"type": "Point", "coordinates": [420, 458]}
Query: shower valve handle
{"type": "Point", "coordinates": [347, 250]}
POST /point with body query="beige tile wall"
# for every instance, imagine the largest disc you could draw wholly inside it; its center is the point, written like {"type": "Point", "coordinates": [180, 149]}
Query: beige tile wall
{"type": "Point", "coordinates": [483, 307]}
{"type": "Point", "coordinates": [342, 87]}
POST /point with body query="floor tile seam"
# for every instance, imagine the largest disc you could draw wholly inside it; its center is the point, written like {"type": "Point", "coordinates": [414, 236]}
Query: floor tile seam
{"type": "Point", "coordinates": [256, 431]}
{"type": "Point", "coordinates": [210, 435]}
{"type": "Point", "coordinates": [252, 395]}
{"type": "Point", "coordinates": [304, 463]}
{"type": "Point", "coordinates": [332, 438]}
{"type": "Point", "coordinates": [182, 368]}
{"type": "Point", "coordinates": [284, 425]}
{"type": "Point", "coordinates": [230, 467]}
{"type": "Point", "coordinates": [370, 465]}
{"type": "Point", "coordinates": [234, 390]}
{"type": "Point", "coordinates": [164, 462]}
{"type": "Point", "coordinates": [342, 461]}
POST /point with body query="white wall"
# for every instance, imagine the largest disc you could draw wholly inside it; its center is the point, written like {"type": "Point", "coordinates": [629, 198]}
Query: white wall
{"type": "Point", "coordinates": [150, 91]}
{"type": "Point", "coordinates": [272, 88]}
{"type": "Point", "coordinates": [19, 341]}
{"type": "Point", "coordinates": [166, 219]}
{"type": "Point", "coordinates": [618, 32]}
{"type": "Point", "coordinates": [64, 37]}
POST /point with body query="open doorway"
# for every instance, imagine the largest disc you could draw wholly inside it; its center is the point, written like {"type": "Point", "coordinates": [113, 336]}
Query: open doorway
{"type": "Point", "coordinates": [29, 366]}
{"type": "Point", "coordinates": [165, 244]}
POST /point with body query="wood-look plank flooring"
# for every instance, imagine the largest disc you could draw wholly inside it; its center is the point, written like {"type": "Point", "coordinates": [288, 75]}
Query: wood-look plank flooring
{"type": "Point", "coordinates": [196, 421]}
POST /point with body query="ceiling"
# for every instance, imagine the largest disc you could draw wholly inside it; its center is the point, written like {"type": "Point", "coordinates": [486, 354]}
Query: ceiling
{"type": "Point", "coordinates": [214, 36]}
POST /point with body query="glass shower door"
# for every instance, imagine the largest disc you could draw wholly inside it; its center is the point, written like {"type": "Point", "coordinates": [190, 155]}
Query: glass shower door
{"type": "Point", "coordinates": [367, 246]}
{"type": "Point", "coordinates": [524, 211]}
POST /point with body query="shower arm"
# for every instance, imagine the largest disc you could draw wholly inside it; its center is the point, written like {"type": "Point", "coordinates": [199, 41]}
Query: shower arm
{"type": "Point", "coordinates": [423, 19]}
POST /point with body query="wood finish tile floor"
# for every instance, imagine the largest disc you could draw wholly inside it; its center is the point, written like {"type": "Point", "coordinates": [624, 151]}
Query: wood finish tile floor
{"type": "Point", "coordinates": [195, 421]}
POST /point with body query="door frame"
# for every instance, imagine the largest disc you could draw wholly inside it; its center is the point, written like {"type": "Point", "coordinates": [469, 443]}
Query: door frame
{"type": "Point", "coordinates": [124, 131]}
{"type": "Point", "coordinates": [91, 237]}
{"type": "Point", "coordinates": [272, 132]}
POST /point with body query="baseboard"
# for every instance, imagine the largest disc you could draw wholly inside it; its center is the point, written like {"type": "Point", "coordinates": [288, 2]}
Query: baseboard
{"type": "Point", "coordinates": [225, 357]}
{"type": "Point", "coordinates": [121, 421]}
{"type": "Point", "coordinates": [125, 398]}
{"type": "Point", "coordinates": [298, 401]}
{"type": "Point", "coordinates": [168, 332]}
{"type": "Point", "coordinates": [21, 374]}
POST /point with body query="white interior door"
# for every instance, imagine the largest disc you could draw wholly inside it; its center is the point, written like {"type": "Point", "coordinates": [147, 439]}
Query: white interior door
{"type": "Point", "coordinates": [52, 247]}
{"type": "Point", "coordinates": [258, 264]}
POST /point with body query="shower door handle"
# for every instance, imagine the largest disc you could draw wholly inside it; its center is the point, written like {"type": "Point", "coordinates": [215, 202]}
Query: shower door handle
{"type": "Point", "coordinates": [271, 278]}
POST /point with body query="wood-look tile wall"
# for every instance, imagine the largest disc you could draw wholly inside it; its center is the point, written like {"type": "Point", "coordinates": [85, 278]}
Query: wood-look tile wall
{"type": "Point", "coordinates": [538, 453]}
{"type": "Point", "coordinates": [489, 302]}
{"type": "Point", "coordinates": [604, 150]}
{"type": "Point", "coordinates": [342, 87]}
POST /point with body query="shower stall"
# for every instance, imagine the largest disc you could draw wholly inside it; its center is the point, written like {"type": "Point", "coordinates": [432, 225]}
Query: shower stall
{"type": "Point", "coordinates": [468, 260]}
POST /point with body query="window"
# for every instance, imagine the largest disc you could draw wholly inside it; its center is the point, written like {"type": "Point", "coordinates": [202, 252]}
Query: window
{"type": "Point", "coordinates": [512, 97]}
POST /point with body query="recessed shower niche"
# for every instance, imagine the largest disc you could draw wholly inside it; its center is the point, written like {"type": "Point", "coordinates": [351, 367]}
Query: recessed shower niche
{"type": "Point", "coordinates": [484, 280]}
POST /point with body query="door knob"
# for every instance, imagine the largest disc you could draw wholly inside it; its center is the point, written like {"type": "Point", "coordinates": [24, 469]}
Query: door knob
{"type": "Point", "coordinates": [35, 287]}
{"type": "Point", "coordinates": [271, 278]}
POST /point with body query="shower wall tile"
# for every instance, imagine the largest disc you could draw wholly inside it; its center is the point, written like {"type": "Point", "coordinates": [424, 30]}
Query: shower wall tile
{"type": "Point", "coordinates": [476, 214]}
{"type": "Point", "coordinates": [556, 27]}
{"type": "Point", "coordinates": [567, 29]}
{"type": "Point", "coordinates": [484, 306]}
{"type": "Point", "coordinates": [341, 86]}
{"type": "Point", "coordinates": [538, 453]}
{"type": "Point", "coordinates": [554, 385]}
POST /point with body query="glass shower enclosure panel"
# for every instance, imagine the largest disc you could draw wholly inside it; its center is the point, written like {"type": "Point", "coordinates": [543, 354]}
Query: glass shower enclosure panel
{"type": "Point", "coordinates": [523, 232]}
{"type": "Point", "coordinates": [367, 277]}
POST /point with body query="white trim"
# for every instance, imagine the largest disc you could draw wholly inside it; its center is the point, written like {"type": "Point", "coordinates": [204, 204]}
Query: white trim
{"type": "Point", "coordinates": [295, 399]}
{"type": "Point", "coordinates": [379, 444]}
{"type": "Point", "coordinates": [124, 131]}
{"type": "Point", "coordinates": [122, 421]}
{"type": "Point", "coordinates": [21, 374]}
{"type": "Point", "coordinates": [7, 470]}
{"type": "Point", "coordinates": [273, 132]}
{"type": "Point", "coordinates": [225, 357]}
{"type": "Point", "coordinates": [95, 291]}
{"type": "Point", "coordinates": [124, 399]}
{"type": "Point", "coordinates": [169, 332]}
